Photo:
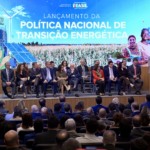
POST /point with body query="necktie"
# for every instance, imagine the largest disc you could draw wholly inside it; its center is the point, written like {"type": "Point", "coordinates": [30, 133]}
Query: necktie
{"type": "Point", "coordinates": [48, 77]}
{"type": "Point", "coordinates": [111, 74]}
{"type": "Point", "coordinates": [83, 71]}
{"type": "Point", "coordinates": [7, 72]}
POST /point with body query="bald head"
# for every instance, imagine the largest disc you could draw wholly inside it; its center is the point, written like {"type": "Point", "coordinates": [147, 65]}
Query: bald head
{"type": "Point", "coordinates": [102, 113]}
{"type": "Point", "coordinates": [11, 138]}
{"type": "Point", "coordinates": [70, 124]}
{"type": "Point", "coordinates": [109, 137]}
{"type": "Point", "coordinates": [62, 136]}
{"type": "Point", "coordinates": [136, 120]}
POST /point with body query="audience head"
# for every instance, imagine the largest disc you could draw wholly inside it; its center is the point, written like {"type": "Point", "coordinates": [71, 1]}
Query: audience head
{"type": "Point", "coordinates": [121, 107]}
{"type": "Point", "coordinates": [135, 106]}
{"type": "Point", "coordinates": [117, 117]}
{"type": "Point", "coordinates": [127, 113]}
{"type": "Point", "coordinates": [11, 139]}
{"type": "Point", "coordinates": [38, 125]}
{"type": "Point", "coordinates": [53, 122]}
{"type": "Point", "coordinates": [125, 127]}
{"type": "Point", "coordinates": [145, 120]}
{"type": "Point", "coordinates": [138, 144]}
{"type": "Point", "coordinates": [61, 137]}
{"type": "Point", "coordinates": [90, 111]}
{"type": "Point", "coordinates": [17, 112]}
{"type": "Point", "coordinates": [79, 120]}
{"type": "Point", "coordinates": [67, 107]}
{"type": "Point", "coordinates": [2, 118]}
{"type": "Point", "coordinates": [42, 102]}
{"type": "Point", "coordinates": [62, 98]}
{"type": "Point", "coordinates": [21, 105]}
{"type": "Point", "coordinates": [102, 113]}
{"type": "Point", "coordinates": [91, 126]}
{"type": "Point", "coordinates": [148, 97]}
{"type": "Point", "coordinates": [136, 121]}
{"type": "Point", "coordinates": [71, 144]}
{"type": "Point", "coordinates": [34, 109]}
{"type": "Point", "coordinates": [98, 100]}
{"type": "Point", "coordinates": [44, 111]}
{"type": "Point", "coordinates": [70, 124]}
{"type": "Point", "coordinates": [130, 99]}
{"type": "Point", "coordinates": [27, 120]}
{"type": "Point", "coordinates": [101, 126]}
{"type": "Point", "coordinates": [79, 106]}
{"type": "Point", "coordinates": [63, 120]}
{"type": "Point", "coordinates": [115, 100]}
{"type": "Point", "coordinates": [146, 137]}
{"type": "Point", "coordinates": [5, 126]}
{"type": "Point", "coordinates": [2, 103]}
{"type": "Point", "coordinates": [109, 137]}
{"type": "Point", "coordinates": [57, 107]}
{"type": "Point", "coordinates": [112, 107]}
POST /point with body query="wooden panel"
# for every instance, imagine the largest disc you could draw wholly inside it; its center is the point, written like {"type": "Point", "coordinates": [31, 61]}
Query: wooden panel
{"type": "Point", "coordinates": [88, 101]}
{"type": "Point", "coordinates": [145, 77]}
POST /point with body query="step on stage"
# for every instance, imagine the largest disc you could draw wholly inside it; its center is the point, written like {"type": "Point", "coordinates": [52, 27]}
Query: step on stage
{"type": "Point", "coordinates": [87, 98]}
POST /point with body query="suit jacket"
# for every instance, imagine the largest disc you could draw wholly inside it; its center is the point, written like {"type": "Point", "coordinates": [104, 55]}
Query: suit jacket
{"type": "Point", "coordinates": [4, 75]}
{"type": "Point", "coordinates": [48, 137]}
{"type": "Point", "coordinates": [80, 70]}
{"type": "Point", "coordinates": [137, 132]}
{"type": "Point", "coordinates": [54, 69]}
{"type": "Point", "coordinates": [74, 74]}
{"type": "Point", "coordinates": [34, 72]}
{"type": "Point", "coordinates": [131, 71]}
{"type": "Point", "coordinates": [106, 72]}
{"type": "Point", "coordinates": [44, 73]}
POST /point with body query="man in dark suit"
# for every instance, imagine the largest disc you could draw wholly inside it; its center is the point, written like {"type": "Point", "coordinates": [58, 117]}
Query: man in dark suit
{"type": "Point", "coordinates": [48, 137]}
{"type": "Point", "coordinates": [83, 72]}
{"type": "Point", "coordinates": [48, 79]}
{"type": "Point", "coordinates": [111, 76]}
{"type": "Point", "coordinates": [35, 77]}
{"type": "Point", "coordinates": [8, 79]}
{"type": "Point", "coordinates": [135, 76]}
{"type": "Point", "coordinates": [53, 68]}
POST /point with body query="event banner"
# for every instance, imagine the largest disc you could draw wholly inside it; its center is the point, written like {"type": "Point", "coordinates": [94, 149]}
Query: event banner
{"type": "Point", "coordinates": [91, 29]}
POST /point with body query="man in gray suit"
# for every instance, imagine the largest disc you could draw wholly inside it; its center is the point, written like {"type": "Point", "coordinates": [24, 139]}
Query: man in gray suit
{"type": "Point", "coordinates": [8, 79]}
{"type": "Point", "coordinates": [135, 76]}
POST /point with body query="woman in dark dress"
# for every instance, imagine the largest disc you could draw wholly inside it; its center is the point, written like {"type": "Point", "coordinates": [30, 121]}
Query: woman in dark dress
{"type": "Point", "coordinates": [124, 76]}
{"type": "Point", "coordinates": [21, 78]}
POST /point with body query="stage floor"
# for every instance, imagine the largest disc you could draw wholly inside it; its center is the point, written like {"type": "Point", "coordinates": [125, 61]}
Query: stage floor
{"type": "Point", "coordinates": [87, 98]}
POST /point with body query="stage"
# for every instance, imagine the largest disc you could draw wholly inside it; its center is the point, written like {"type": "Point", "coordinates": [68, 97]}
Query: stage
{"type": "Point", "coordinates": [87, 98]}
